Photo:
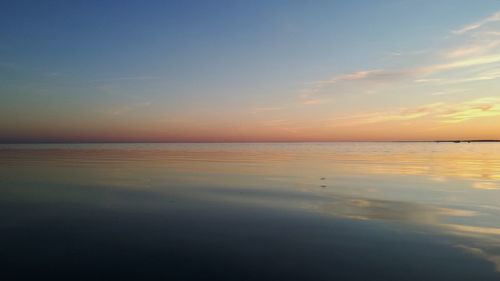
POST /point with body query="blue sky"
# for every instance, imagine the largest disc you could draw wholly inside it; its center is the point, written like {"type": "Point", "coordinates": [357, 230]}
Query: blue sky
{"type": "Point", "coordinates": [71, 69]}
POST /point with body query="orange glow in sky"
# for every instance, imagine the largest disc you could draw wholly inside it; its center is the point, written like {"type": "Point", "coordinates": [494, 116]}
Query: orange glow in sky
{"type": "Point", "coordinates": [265, 74]}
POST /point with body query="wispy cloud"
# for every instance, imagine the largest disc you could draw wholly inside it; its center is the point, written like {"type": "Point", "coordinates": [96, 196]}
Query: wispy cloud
{"type": "Point", "coordinates": [472, 54]}
{"type": "Point", "coordinates": [128, 78]}
{"type": "Point", "coordinates": [402, 114]}
{"type": "Point", "coordinates": [369, 75]}
{"type": "Point", "coordinates": [476, 25]}
{"type": "Point", "coordinates": [476, 48]}
{"type": "Point", "coordinates": [484, 107]}
{"type": "Point", "coordinates": [438, 112]}
{"type": "Point", "coordinates": [475, 61]}
{"type": "Point", "coordinates": [369, 80]}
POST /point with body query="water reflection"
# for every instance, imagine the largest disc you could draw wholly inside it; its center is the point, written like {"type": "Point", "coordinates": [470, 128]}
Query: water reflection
{"type": "Point", "coordinates": [439, 197]}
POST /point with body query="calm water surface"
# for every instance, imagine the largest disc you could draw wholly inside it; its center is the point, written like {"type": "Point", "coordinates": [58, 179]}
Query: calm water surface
{"type": "Point", "coordinates": [326, 211]}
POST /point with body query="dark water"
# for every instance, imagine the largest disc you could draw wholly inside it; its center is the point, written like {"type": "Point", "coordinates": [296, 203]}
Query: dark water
{"type": "Point", "coordinates": [342, 211]}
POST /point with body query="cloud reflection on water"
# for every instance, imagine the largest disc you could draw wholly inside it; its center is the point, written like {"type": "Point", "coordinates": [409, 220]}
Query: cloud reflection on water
{"type": "Point", "coordinates": [445, 189]}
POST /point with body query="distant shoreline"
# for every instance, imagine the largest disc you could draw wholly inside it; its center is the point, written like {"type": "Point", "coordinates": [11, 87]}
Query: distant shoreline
{"type": "Point", "coordinates": [455, 141]}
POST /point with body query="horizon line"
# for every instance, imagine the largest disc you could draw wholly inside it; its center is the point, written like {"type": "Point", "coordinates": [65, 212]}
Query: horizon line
{"type": "Point", "coordinates": [222, 142]}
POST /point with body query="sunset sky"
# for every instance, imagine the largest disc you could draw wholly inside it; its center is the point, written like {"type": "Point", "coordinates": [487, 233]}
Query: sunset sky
{"type": "Point", "coordinates": [130, 71]}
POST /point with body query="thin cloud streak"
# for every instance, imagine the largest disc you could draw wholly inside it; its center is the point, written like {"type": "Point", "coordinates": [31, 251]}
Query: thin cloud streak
{"type": "Point", "coordinates": [437, 112]}
{"type": "Point", "coordinates": [476, 25]}
{"type": "Point", "coordinates": [128, 78]}
{"type": "Point", "coordinates": [452, 66]}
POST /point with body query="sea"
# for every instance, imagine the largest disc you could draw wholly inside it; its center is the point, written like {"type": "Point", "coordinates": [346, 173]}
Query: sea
{"type": "Point", "coordinates": [250, 211]}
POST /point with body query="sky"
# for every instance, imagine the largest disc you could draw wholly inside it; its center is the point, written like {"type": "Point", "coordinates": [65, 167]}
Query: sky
{"type": "Point", "coordinates": [223, 71]}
